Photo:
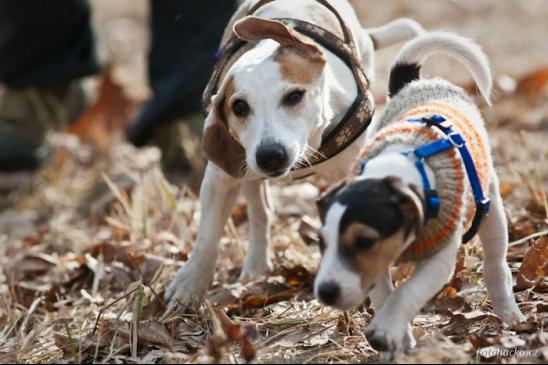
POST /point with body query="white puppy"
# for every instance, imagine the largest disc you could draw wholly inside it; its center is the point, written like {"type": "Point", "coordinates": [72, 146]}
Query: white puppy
{"type": "Point", "coordinates": [419, 189]}
{"type": "Point", "coordinates": [272, 109]}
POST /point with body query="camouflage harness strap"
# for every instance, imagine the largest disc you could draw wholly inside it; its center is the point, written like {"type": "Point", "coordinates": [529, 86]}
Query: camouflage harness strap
{"type": "Point", "coordinates": [358, 116]}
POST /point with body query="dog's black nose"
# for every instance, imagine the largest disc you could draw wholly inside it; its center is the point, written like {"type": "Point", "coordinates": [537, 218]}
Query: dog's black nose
{"type": "Point", "coordinates": [272, 157]}
{"type": "Point", "coordinates": [329, 292]}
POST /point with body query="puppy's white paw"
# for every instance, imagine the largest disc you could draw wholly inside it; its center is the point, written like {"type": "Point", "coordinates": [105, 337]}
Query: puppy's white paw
{"type": "Point", "coordinates": [188, 288]}
{"type": "Point", "coordinates": [409, 341]}
{"type": "Point", "coordinates": [509, 313]}
{"type": "Point", "coordinates": [389, 337]}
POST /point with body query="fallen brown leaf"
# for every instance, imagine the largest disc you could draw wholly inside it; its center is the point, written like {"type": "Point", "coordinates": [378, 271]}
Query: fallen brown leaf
{"type": "Point", "coordinates": [535, 262]}
{"type": "Point", "coordinates": [28, 267]}
{"type": "Point", "coordinates": [534, 82]}
{"type": "Point", "coordinates": [226, 330]}
{"type": "Point", "coordinates": [155, 332]}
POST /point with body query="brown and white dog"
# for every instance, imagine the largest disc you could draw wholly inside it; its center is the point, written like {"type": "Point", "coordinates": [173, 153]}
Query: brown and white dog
{"type": "Point", "coordinates": [276, 101]}
{"type": "Point", "coordinates": [377, 217]}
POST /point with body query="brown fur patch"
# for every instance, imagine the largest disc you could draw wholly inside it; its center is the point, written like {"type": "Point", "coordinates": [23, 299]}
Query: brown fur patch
{"type": "Point", "coordinates": [300, 57]}
{"type": "Point", "coordinates": [370, 264]}
{"type": "Point", "coordinates": [230, 89]}
{"type": "Point", "coordinates": [297, 67]}
{"type": "Point", "coordinates": [355, 230]}
{"type": "Point", "coordinates": [218, 144]}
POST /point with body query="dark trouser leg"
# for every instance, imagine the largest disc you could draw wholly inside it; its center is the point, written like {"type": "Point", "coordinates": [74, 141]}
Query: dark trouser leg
{"type": "Point", "coordinates": [45, 42]}
{"type": "Point", "coordinates": [44, 45]}
{"type": "Point", "coordinates": [185, 37]}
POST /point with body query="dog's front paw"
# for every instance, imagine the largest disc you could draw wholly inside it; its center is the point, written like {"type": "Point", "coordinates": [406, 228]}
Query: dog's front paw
{"type": "Point", "coordinates": [389, 338]}
{"type": "Point", "coordinates": [189, 287]}
{"type": "Point", "coordinates": [510, 313]}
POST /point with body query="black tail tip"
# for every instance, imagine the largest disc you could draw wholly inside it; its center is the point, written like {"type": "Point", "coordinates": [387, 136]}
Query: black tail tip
{"type": "Point", "coordinates": [401, 75]}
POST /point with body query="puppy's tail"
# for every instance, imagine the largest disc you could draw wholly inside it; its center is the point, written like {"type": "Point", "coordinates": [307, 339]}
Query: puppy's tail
{"type": "Point", "coordinates": [413, 54]}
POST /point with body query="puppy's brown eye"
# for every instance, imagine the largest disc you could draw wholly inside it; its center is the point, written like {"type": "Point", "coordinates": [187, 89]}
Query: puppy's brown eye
{"type": "Point", "coordinates": [240, 108]}
{"type": "Point", "coordinates": [364, 243]}
{"type": "Point", "coordinates": [293, 98]}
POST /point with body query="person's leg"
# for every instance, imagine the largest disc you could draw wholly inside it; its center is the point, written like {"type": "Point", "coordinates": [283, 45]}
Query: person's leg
{"type": "Point", "coordinates": [44, 46]}
{"type": "Point", "coordinates": [185, 37]}
{"type": "Point", "coordinates": [45, 42]}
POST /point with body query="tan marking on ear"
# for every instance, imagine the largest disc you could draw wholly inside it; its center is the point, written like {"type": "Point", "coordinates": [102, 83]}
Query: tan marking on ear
{"type": "Point", "coordinates": [218, 144]}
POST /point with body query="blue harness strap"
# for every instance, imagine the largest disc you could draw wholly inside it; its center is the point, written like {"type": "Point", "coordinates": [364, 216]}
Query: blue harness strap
{"type": "Point", "coordinates": [452, 139]}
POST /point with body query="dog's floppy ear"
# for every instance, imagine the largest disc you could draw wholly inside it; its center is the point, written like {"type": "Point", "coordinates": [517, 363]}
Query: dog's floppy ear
{"type": "Point", "coordinates": [252, 28]}
{"type": "Point", "coordinates": [218, 145]}
{"type": "Point", "coordinates": [324, 200]}
{"type": "Point", "coordinates": [411, 205]}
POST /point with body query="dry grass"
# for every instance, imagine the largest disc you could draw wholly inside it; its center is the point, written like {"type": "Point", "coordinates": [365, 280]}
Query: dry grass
{"type": "Point", "coordinates": [82, 277]}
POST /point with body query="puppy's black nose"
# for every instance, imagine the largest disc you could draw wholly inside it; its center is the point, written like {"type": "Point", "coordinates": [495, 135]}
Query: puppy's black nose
{"type": "Point", "coordinates": [272, 157]}
{"type": "Point", "coordinates": [329, 292]}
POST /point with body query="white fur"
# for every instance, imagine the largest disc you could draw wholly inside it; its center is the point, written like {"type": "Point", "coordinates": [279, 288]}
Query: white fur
{"type": "Point", "coordinates": [333, 268]}
{"type": "Point", "coordinates": [494, 239]}
{"type": "Point", "coordinates": [258, 76]}
{"type": "Point", "coordinates": [392, 319]}
{"type": "Point", "coordinates": [462, 49]}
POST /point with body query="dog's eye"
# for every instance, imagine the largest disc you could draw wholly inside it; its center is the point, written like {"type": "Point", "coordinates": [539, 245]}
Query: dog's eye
{"type": "Point", "coordinates": [364, 243]}
{"type": "Point", "coordinates": [293, 98]}
{"type": "Point", "coordinates": [240, 108]}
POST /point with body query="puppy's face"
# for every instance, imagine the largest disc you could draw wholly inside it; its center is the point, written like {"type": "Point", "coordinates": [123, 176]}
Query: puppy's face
{"type": "Point", "coordinates": [271, 101]}
{"type": "Point", "coordinates": [367, 224]}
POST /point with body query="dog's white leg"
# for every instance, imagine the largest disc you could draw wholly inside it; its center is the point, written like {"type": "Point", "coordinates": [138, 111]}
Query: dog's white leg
{"type": "Point", "coordinates": [378, 296]}
{"type": "Point", "coordinates": [257, 260]}
{"type": "Point", "coordinates": [387, 330]}
{"type": "Point", "coordinates": [382, 290]}
{"type": "Point", "coordinates": [498, 278]}
{"type": "Point", "coordinates": [217, 196]}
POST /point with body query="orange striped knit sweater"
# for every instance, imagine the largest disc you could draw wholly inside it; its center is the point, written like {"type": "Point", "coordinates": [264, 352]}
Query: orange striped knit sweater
{"type": "Point", "coordinates": [457, 203]}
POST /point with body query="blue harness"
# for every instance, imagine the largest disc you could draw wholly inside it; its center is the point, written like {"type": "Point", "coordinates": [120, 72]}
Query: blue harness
{"type": "Point", "coordinates": [452, 139]}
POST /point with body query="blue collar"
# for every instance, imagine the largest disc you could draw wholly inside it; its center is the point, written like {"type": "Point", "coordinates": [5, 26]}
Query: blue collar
{"type": "Point", "coordinates": [452, 139]}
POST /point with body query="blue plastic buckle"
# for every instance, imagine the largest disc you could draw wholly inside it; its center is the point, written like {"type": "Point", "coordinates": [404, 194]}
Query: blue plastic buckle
{"type": "Point", "coordinates": [433, 204]}
{"type": "Point", "coordinates": [485, 204]}
{"type": "Point", "coordinates": [456, 139]}
{"type": "Point", "coordinates": [436, 118]}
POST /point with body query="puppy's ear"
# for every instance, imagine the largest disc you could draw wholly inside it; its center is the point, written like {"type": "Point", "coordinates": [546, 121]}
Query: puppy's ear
{"type": "Point", "coordinates": [252, 28]}
{"type": "Point", "coordinates": [218, 145]}
{"type": "Point", "coordinates": [325, 199]}
{"type": "Point", "coordinates": [410, 202]}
